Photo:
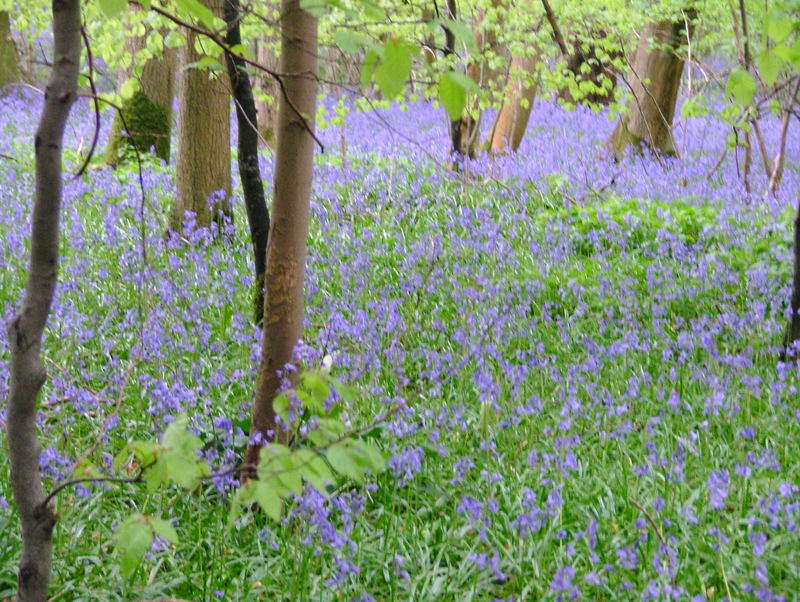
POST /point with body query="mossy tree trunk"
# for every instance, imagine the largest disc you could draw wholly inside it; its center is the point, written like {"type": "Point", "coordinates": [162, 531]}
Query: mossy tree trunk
{"type": "Point", "coordinates": [592, 67]}
{"type": "Point", "coordinates": [654, 83]}
{"type": "Point", "coordinates": [287, 247]}
{"type": "Point", "coordinates": [512, 118]}
{"type": "Point", "coordinates": [203, 170]}
{"type": "Point", "coordinates": [148, 113]}
{"type": "Point", "coordinates": [9, 58]}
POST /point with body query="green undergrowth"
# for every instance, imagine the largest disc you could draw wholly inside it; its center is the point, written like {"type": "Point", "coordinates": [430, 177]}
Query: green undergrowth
{"type": "Point", "coordinates": [603, 298]}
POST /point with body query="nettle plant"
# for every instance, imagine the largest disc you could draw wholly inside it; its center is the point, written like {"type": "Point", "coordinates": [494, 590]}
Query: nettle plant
{"type": "Point", "coordinates": [317, 448]}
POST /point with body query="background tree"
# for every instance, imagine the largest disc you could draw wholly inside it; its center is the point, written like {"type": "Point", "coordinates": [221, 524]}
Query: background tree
{"type": "Point", "coordinates": [203, 169]}
{"type": "Point", "coordinates": [148, 90]}
{"type": "Point", "coordinates": [267, 91]}
{"type": "Point", "coordinates": [655, 80]}
{"type": "Point", "coordinates": [512, 119]}
{"type": "Point", "coordinates": [9, 59]}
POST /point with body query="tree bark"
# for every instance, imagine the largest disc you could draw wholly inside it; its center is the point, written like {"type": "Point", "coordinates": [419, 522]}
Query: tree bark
{"type": "Point", "coordinates": [267, 108]}
{"type": "Point", "coordinates": [203, 170]}
{"type": "Point", "coordinates": [148, 113]}
{"type": "Point", "coordinates": [286, 254]}
{"type": "Point", "coordinates": [656, 78]}
{"type": "Point", "coordinates": [792, 334]}
{"type": "Point", "coordinates": [600, 73]}
{"type": "Point", "coordinates": [26, 328]}
{"type": "Point", "coordinates": [252, 185]}
{"type": "Point", "coordinates": [512, 118]}
{"type": "Point", "coordinates": [9, 58]}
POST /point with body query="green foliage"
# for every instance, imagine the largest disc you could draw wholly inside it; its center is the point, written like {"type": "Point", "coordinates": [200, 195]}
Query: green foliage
{"type": "Point", "coordinates": [327, 448]}
{"type": "Point", "coordinates": [149, 124]}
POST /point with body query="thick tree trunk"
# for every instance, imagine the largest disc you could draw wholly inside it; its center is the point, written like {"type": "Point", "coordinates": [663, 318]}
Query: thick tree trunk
{"type": "Point", "coordinates": [512, 118]}
{"type": "Point", "coordinates": [26, 328]}
{"type": "Point", "coordinates": [9, 58]}
{"type": "Point", "coordinates": [252, 185]}
{"type": "Point", "coordinates": [267, 101]}
{"type": "Point", "coordinates": [203, 170]}
{"type": "Point", "coordinates": [148, 113]}
{"type": "Point", "coordinates": [654, 83]}
{"type": "Point", "coordinates": [286, 254]}
{"type": "Point", "coordinates": [596, 85]}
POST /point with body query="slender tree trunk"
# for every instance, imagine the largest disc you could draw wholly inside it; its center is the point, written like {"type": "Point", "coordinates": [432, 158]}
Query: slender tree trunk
{"type": "Point", "coordinates": [465, 132]}
{"type": "Point", "coordinates": [792, 334]}
{"type": "Point", "coordinates": [9, 58]}
{"type": "Point", "coordinates": [252, 186]}
{"type": "Point", "coordinates": [26, 328]}
{"type": "Point", "coordinates": [148, 113]}
{"type": "Point", "coordinates": [203, 170]}
{"type": "Point", "coordinates": [286, 254]}
{"type": "Point", "coordinates": [267, 101]}
{"type": "Point", "coordinates": [654, 83]}
{"type": "Point", "coordinates": [512, 118]}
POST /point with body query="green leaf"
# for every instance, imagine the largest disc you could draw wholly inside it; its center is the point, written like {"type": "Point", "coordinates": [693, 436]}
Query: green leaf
{"type": "Point", "coordinates": [164, 529]}
{"type": "Point", "coordinates": [133, 539]}
{"type": "Point", "coordinates": [769, 66]}
{"type": "Point", "coordinates": [369, 455]}
{"type": "Point", "coordinates": [693, 107]}
{"type": "Point", "coordinates": [452, 95]}
{"type": "Point", "coordinates": [281, 407]}
{"type": "Point", "coordinates": [268, 499]}
{"type": "Point", "coordinates": [112, 8]}
{"type": "Point", "coordinates": [349, 41]}
{"type": "Point", "coordinates": [368, 67]}
{"type": "Point", "coordinates": [741, 86]}
{"type": "Point", "coordinates": [197, 11]}
{"type": "Point", "coordinates": [393, 71]}
{"type": "Point", "coordinates": [778, 26]}
{"type": "Point", "coordinates": [790, 54]}
{"type": "Point", "coordinates": [314, 470]}
{"type": "Point", "coordinates": [462, 33]}
{"type": "Point", "coordinates": [343, 461]}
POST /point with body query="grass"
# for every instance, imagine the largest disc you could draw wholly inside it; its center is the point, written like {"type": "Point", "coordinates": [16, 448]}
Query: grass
{"type": "Point", "coordinates": [595, 364]}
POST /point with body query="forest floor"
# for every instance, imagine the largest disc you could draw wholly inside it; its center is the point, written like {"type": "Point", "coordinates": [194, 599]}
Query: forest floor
{"type": "Point", "coordinates": [586, 354]}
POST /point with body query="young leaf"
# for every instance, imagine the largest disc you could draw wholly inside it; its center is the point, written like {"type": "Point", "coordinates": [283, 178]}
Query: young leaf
{"type": "Point", "coordinates": [768, 67]}
{"type": "Point", "coordinates": [164, 529]}
{"type": "Point", "coordinates": [778, 27]}
{"type": "Point", "coordinates": [133, 539]}
{"type": "Point", "coordinates": [349, 41]}
{"type": "Point", "coordinates": [343, 460]}
{"type": "Point", "coordinates": [462, 33]}
{"type": "Point", "coordinates": [394, 69]}
{"type": "Point", "coordinates": [314, 470]}
{"type": "Point", "coordinates": [112, 8]}
{"type": "Point", "coordinates": [741, 86]}
{"type": "Point", "coordinates": [268, 499]}
{"type": "Point", "coordinates": [452, 95]}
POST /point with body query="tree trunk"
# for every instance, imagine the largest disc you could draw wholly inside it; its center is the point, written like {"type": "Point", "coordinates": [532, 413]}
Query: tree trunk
{"type": "Point", "coordinates": [512, 118]}
{"type": "Point", "coordinates": [792, 334]}
{"type": "Point", "coordinates": [286, 254]}
{"type": "Point", "coordinates": [203, 170]}
{"type": "Point", "coordinates": [654, 83]}
{"type": "Point", "coordinates": [26, 328]}
{"type": "Point", "coordinates": [9, 59]}
{"type": "Point", "coordinates": [148, 113]}
{"type": "Point", "coordinates": [465, 133]}
{"type": "Point", "coordinates": [252, 185]}
{"type": "Point", "coordinates": [267, 100]}
{"type": "Point", "coordinates": [596, 84]}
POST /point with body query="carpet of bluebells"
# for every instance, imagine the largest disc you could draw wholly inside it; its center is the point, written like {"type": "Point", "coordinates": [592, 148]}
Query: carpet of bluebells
{"type": "Point", "coordinates": [586, 354]}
